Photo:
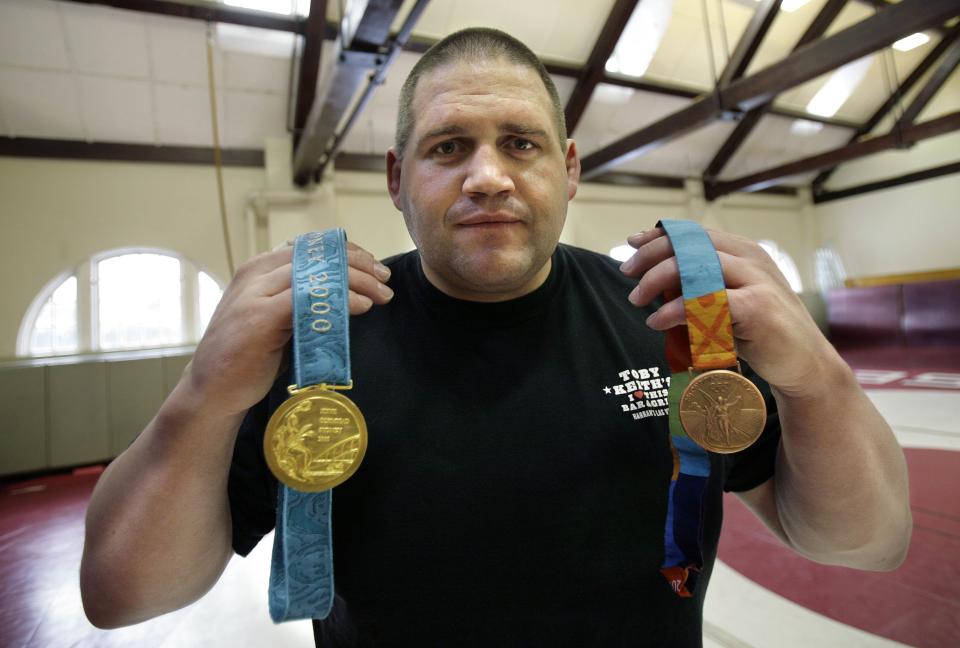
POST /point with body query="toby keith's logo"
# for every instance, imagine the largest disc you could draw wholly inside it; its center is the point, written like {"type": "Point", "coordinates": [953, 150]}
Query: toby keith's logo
{"type": "Point", "coordinates": [641, 392]}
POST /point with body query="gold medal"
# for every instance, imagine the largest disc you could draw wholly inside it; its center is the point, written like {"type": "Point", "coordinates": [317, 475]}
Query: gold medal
{"type": "Point", "coordinates": [316, 439]}
{"type": "Point", "coordinates": [722, 411]}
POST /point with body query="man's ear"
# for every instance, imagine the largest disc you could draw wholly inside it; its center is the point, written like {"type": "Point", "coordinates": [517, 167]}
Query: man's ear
{"type": "Point", "coordinates": [572, 161]}
{"type": "Point", "coordinates": [393, 176]}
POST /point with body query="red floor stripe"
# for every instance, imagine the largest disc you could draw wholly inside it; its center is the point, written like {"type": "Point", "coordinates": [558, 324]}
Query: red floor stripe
{"type": "Point", "coordinates": [918, 604]}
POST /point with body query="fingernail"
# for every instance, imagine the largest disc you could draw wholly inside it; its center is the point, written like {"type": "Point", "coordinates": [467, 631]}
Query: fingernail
{"type": "Point", "coordinates": [633, 237]}
{"type": "Point", "coordinates": [382, 271]}
{"type": "Point", "coordinates": [386, 291]}
{"type": "Point", "coordinates": [627, 265]}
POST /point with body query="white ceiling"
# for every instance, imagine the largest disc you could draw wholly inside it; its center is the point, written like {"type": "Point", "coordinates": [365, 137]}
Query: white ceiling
{"type": "Point", "coordinates": [94, 73]}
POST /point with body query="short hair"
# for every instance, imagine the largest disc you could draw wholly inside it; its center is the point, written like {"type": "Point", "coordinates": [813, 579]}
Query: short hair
{"type": "Point", "coordinates": [473, 44]}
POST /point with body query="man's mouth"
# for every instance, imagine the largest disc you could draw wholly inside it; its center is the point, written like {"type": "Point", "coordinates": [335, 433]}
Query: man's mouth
{"type": "Point", "coordinates": [489, 220]}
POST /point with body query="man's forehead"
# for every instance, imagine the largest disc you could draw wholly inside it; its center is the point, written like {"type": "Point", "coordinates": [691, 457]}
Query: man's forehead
{"type": "Point", "coordinates": [497, 83]}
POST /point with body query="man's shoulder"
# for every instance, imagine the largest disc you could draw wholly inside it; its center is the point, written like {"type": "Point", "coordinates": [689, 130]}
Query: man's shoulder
{"type": "Point", "coordinates": [397, 260]}
{"type": "Point", "coordinates": [589, 263]}
{"type": "Point", "coordinates": [584, 253]}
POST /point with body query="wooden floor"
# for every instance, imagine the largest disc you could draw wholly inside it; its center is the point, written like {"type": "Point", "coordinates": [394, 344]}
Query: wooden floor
{"type": "Point", "coordinates": [761, 595]}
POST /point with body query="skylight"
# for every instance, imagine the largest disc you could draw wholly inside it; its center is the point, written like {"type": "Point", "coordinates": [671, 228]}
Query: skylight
{"type": "Point", "coordinates": [805, 127]}
{"type": "Point", "coordinates": [285, 7]}
{"type": "Point", "coordinates": [641, 38]}
{"type": "Point", "coordinates": [791, 5]}
{"type": "Point", "coordinates": [838, 88]}
{"type": "Point", "coordinates": [910, 42]}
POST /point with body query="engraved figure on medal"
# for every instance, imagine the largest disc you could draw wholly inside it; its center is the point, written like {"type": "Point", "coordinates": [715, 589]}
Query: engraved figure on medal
{"type": "Point", "coordinates": [316, 441]}
{"type": "Point", "coordinates": [722, 411]}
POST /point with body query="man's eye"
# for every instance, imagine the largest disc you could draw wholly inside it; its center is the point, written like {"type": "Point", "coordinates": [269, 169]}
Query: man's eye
{"type": "Point", "coordinates": [523, 144]}
{"type": "Point", "coordinates": [446, 148]}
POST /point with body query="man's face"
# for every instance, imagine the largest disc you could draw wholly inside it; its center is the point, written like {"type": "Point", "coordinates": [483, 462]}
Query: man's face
{"type": "Point", "coordinates": [484, 182]}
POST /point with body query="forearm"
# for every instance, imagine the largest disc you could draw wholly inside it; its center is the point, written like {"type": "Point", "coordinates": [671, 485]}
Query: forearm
{"type": "Point", "coordinates": [841, 481]}
{"type": "Point", "coordinates": [158, 529]}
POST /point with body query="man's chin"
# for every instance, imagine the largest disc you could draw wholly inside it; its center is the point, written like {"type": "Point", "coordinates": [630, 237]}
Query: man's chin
{"type": "Point", "coordinates": [501, 273]}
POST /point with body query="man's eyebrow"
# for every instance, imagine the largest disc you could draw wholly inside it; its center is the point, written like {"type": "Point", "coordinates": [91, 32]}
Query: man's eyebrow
{"type": "Point", "coordinates": [506, 127]}
{"type": "Point", "coordinates": [522, 129]}
{"type": "Point", "coordinates": [444, 131]}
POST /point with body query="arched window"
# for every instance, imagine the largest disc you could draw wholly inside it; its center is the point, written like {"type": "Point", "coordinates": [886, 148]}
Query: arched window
{"type": "Point", "coordinates": [785, 262]}
{"type": "Point", "coordinates": [54, 328]}
{"type": "Point", "coordinates": [121, 299]}
{"type": "Point", "coordinates": [829, 269]}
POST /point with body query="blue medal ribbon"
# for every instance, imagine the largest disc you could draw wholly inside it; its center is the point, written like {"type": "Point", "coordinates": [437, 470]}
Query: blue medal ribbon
{"type": "Point", "coordinates": [700, 274]}
{"type": "Point", "coordinates": [301, 571]}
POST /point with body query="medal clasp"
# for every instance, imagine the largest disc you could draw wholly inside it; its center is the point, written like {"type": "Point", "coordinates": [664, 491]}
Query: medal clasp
{"type": "Point", "coordinates": [293, 390]}
{"type": "Point", "coordinates": [699, 372]}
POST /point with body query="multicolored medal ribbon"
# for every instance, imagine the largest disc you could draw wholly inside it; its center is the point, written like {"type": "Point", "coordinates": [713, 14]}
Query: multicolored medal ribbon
{"type": "Point", "coordinates": [317, 438]}
{"type": "Point", "coordinates": [718, 410]}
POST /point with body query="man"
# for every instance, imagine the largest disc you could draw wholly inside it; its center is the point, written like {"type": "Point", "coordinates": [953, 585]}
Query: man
{"type": "Point", "coordinates": [509, 495]}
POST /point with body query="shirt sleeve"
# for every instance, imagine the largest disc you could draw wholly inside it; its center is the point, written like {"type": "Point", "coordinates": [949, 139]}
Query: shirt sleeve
{"type": "Point", "coordinates": [252, 488]}
{"type": "Point", "coordinates": [753, 466]}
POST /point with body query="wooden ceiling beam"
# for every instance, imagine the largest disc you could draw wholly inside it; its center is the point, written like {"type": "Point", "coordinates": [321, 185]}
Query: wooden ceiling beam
{"type": "Point", "coordinates": [946, 67]}
{"type": "Point", "coordinates": [62, 149]}
{"type": "Point", "coordinates": [310, 57]}
{"type": "Point", "coordinates": [880, 5]}
{"type": "Point", "coordinates": [887, 183]}
{"type": "Point", "coordinates": [749, 42]}
{"type": "Point", "coordinates": [808, 62]}
{"type": "Point", "coordinates": [895, 97]}
{"type": "Point", "coordinates": [650, 137]}
{"type": "Point", "coordinates": [896, 138]}
{"type": "Point", "coordinates": [814, 31]}
{"type": "Point", "coordinates": [377, 78]}
{"type": "Point", "coordinates": [595, 68]}
{"type": "Point", "coordinates": [814, 59]}
{"type": "Point", "coordinates": [419, 45]}
{"type": "Point", "coordinates": [215, 12]}
{"type": "Point", "coordinates": [366, 162]}
{"type": "Point", "coordinates": [366, 50]}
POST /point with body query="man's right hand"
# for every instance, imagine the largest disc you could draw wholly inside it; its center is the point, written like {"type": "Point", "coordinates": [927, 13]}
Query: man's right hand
{"type": "Point", "coordinates": [240, 354]}
{"type": "Point", "coordinates": [159, 525]}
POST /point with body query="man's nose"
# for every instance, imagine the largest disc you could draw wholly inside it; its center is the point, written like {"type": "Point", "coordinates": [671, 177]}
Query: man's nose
{"type": "Point", "coordinates": [487, 173]}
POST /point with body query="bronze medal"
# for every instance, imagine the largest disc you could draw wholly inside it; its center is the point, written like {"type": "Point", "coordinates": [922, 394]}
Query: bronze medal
{"type": "Point", "coordinates": [722, 411]}
{"type": "Point", "coordinates": [315, 440]}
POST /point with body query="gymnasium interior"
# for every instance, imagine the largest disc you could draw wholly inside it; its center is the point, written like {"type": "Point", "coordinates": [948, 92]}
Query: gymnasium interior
{"type": "Point", "coordinates": [162, 143]}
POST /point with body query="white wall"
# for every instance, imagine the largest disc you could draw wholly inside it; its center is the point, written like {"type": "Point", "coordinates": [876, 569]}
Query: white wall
{"type": "Point", "coordinates": [910, 228]}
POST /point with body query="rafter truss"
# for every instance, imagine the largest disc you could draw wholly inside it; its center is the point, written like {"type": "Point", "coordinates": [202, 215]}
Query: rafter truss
{"type": "Point", "coordinates": [743, 98]}
{"type": "Point", "coordinates": [803, 65]}
{"type": "Point", "coordinates": [749, 122]}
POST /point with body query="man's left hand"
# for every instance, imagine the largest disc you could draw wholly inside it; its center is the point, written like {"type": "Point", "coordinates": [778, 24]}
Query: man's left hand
{"type": "Point", "coordinates": [774, 332]}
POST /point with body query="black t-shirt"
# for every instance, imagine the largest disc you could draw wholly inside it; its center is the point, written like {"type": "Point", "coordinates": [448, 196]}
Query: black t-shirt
{"type": "Point", "coordinates": [514, 489]}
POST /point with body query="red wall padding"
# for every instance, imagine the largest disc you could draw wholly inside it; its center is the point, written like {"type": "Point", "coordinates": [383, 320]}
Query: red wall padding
{"type": "Point", "coordinates": [932, 313]}
{"type": "Point", "coordinates": [861, 317]}
{"type": "Point", "coordinates": [907, 315]}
